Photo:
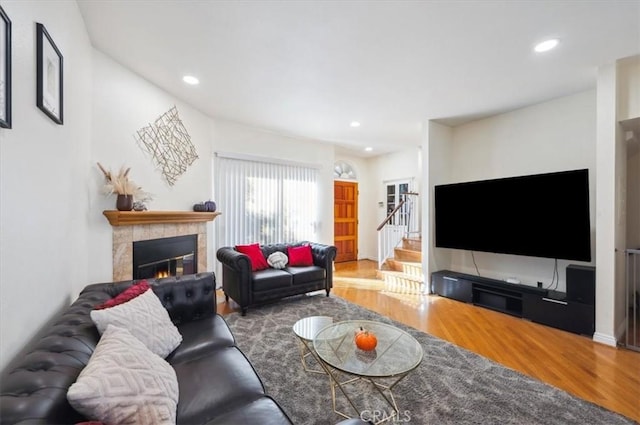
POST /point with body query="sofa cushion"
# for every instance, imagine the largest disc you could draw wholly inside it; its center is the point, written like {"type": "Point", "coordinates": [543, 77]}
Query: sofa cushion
{"type": "Point", "coordinates": [201, 337]}
{"type": "Point", "coordinates": [125, 383]}
{"type": "Point", "coordinates": [302, 275]}
{"type": "Point", "coordinates": [212, 385]}
{"type": "Point", "coordinates": [300, 255]}
{"type": "Point", "coordinates": [146, 319]}
{"type": "Point", "coordinates": [266, 280]}
{"type": "Point", "coordinates": [256, 257]}
{"type": "Point", "coordinates": [263, 411]}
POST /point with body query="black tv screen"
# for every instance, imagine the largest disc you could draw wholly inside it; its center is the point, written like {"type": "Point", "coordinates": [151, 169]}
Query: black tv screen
{"type": "Point", "coordinates": [542, 215]}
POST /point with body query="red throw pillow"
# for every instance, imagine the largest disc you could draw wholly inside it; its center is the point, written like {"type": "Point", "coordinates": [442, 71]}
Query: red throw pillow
{"type": "Point", "coordinates": [126, 295]}
{"type": "Point", "coordinates": [256, 257]}
{"type": "Point", "coordinates": [300, 255]}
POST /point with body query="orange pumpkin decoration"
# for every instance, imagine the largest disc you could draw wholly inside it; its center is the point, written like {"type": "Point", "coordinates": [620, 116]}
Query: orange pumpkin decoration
{"type": "Point", "coordinates": [365, 340]}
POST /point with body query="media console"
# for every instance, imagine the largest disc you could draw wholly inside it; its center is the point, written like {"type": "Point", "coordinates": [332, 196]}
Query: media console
{"type": "Point", "coordinates": [536, 304]}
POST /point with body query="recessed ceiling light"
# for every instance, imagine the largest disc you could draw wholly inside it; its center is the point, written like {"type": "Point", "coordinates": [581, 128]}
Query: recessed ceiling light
{"type": "Point", "coordinates": [190, 79]}
{"type": "Point", "coordinates": [546, 45]}
{"type": "Point", "coordinates": [355, 124]}
{"type": "Point", "coordinates": [368, 149]}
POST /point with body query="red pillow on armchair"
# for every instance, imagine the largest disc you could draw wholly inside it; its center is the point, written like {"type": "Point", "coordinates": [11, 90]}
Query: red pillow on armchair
{"type": "Point", "coordinates": [300, 255]}
{"type": "Point", "coordinates": [256, 257]}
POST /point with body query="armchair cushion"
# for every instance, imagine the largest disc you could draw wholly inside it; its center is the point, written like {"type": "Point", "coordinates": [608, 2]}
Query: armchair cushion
{"type": "Point", "coordinates": [266, 280]}
{"type": "Point", "coordinates": [306, 274]}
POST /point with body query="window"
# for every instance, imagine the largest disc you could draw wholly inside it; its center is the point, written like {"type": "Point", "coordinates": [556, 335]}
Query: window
{"type": "Point", "coordinates": [265, 202]}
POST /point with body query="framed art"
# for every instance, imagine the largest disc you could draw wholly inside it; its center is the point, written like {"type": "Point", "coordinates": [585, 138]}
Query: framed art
{"type": "Point", "coordinates": [5, 70]}
{"type": "Point", "coordinates": [49, 75]}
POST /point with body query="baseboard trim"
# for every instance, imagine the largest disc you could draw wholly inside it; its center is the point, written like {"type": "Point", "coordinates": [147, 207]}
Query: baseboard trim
{"type": "Point", "coordinates": [605, 339]}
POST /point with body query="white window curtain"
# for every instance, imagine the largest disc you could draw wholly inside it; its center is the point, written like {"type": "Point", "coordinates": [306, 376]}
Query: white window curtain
{"type": "Point", "coordinates": [265, 202]}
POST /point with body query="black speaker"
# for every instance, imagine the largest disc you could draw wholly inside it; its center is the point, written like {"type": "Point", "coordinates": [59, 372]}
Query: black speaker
{"type": "Point", "coordinates": [581, 284]}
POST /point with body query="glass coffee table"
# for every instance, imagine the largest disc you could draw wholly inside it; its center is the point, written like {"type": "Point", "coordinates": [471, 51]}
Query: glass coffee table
{"type": "Point", "coordinates": [306, 329]}
{"type": "Point", "coordinates": [395, 356]}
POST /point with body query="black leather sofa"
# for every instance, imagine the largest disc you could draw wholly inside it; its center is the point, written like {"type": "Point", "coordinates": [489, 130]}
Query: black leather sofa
{"type": "Point", "coordinates": [33, 387]}
{"type": "Point", "coordinates": [249, 288]}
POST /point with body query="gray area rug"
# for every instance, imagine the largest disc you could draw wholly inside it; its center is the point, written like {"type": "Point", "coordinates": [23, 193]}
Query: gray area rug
{"type": "Point", "coordinates": [451, 386]}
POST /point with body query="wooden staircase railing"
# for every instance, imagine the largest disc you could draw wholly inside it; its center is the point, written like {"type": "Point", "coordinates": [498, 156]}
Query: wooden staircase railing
{"type": "Point", "coordinates": [394, 227]}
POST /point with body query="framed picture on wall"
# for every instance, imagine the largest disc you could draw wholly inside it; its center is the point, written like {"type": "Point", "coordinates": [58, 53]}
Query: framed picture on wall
{"type": "Point", "coordinates": [49, 75]}
{"type": "Point", "coordinates": [5, 70]}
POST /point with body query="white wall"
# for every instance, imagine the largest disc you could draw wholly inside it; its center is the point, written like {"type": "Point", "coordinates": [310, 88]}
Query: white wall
{"type": "Point", "coordinates": [628, 91]}
{"type": "Point", "coordinates": [44, 173]}
{"type": "Point", "coordinates": [627, 96]}
{"type": "Point", "coordinates": [401, 165]}
{"type": "Point", "coordinates": [123, 103]}
{"type": "Point", "coordinates": [551, 136]}
{"type": "Point", "coordinates": [608, 212]}
{"type": "Point", "coordinates": [385, 169]}
{"type": "Point", "coordinates": [437, 142]}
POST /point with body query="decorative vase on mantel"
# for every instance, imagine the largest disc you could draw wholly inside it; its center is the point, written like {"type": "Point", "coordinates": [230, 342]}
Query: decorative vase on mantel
{"type": "Point", "coordinates": [124, 202]}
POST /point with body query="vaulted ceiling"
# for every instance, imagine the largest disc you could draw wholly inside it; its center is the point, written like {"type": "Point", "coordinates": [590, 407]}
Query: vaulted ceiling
{"type": "Point", "coordinates": [310, 68]}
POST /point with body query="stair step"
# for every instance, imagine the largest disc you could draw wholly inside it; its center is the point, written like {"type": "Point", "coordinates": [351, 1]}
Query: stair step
{"type": "Point", "coordinates": [402, 254]}
{"type": "Point", "coordinates": [400, 275]}
{"type": "Point", "coordinates": [412, 244]}
{"type": "Point", "coordinates": [409, 267]}
{"type": "Point", "coordinates": [398, 282]}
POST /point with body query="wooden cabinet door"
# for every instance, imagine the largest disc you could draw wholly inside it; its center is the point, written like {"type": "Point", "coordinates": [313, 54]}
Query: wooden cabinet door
{"type": "Point", "coordinates": [345, 219]}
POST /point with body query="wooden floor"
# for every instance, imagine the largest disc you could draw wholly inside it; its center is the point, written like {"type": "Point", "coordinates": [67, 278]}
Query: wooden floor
{"type": "Point", "coordinates": [607, 376]}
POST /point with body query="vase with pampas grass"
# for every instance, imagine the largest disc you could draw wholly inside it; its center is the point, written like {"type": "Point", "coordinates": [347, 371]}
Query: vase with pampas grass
{"type": "Point", "coordinates": [126, 190]}
{"type": "Point", "coordinates": [124, 202]}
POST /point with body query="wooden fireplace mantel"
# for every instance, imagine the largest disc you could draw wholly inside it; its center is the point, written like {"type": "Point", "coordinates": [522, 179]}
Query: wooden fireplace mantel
{"type": "Point", "coordinates": [130, 218]}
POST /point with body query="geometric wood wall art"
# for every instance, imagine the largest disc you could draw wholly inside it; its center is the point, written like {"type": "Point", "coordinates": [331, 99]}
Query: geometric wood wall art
{"type": "Point", "coordinates": [169, 145]}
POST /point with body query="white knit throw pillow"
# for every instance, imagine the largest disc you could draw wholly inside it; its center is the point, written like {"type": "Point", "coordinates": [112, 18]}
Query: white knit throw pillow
{"type": "Point", "coordinates": [146, 319]}
{"type": "Point", "coordinates": [278, 260]}
{"type": "Point", "coordinates": [125, 383]}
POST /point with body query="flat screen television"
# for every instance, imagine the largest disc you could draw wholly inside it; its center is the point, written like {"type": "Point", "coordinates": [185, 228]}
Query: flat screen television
{"type": "Point", "coordinates": [541, 215]}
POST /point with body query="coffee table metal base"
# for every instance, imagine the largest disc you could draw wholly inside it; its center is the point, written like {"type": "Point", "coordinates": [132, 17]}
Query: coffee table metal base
{"type": "Point", "coordinates": [307, 351]}
{"type": "Point", "coordinates": [381, 388]}
{"type": "Point", "coordinates": [306, 329]}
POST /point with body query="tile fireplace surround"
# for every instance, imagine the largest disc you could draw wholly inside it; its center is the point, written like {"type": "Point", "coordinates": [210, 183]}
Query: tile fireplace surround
{"type": "Point", "coordinates": [133, 226]}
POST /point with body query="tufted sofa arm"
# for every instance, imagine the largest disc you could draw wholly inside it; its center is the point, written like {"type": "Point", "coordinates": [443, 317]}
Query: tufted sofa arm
{"type": "Point", "coordinates": [236, 274]}
{"type": "Point", "coordinates": [33, 387]}
{"type": "Point", "coordinates": [233, 259]}
{"type": "Point", "coordinates": [324, 256]}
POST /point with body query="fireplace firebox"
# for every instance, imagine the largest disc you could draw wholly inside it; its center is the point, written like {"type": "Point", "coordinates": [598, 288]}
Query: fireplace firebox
{"type": "Point", "coordinates": [173, 256]}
